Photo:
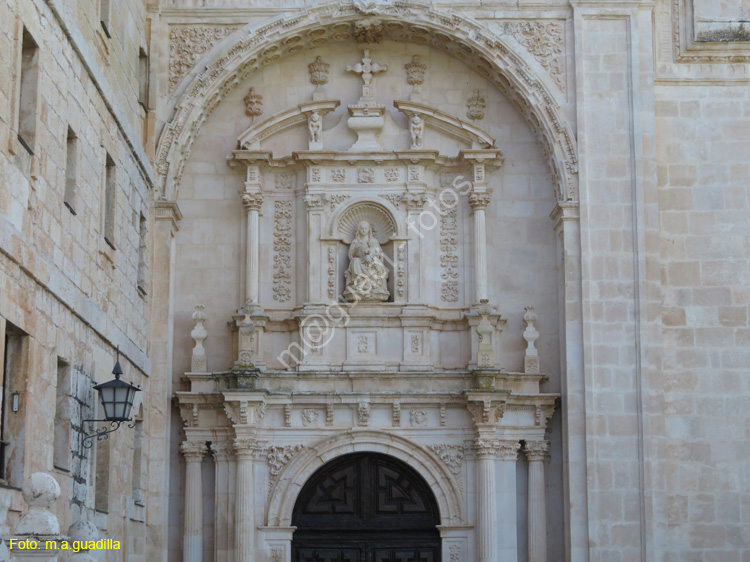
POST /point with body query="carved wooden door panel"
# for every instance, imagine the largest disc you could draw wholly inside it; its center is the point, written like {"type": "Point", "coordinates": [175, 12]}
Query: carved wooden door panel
{"type": "Point", "coordinates": [366, 508]}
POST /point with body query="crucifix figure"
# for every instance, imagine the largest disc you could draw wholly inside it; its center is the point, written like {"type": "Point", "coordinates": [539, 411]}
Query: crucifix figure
{"type": "Point", "coordinates": [367, 69]}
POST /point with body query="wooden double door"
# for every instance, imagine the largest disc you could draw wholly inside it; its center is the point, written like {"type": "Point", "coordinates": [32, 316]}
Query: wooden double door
{"type": "Point", "coordinates": [366, 507]}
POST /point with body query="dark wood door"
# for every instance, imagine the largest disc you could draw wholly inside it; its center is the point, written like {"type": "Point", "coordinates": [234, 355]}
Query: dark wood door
{"type": "Point", "coordinates": [366, 508]}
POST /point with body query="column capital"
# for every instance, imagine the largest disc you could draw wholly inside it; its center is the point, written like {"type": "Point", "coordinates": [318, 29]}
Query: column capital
{"type": "Point", "coordinates": [536, 450]}
{"type": "Point", "coordinates": [479, 200]}
{"type": "Point", "coordinates": [222, 450]}
{"type": "Point", "coordinates": [315, 201]}
{"type": "Point", "coordinates": [252, 201]}
{"type": "Point", "coordinates": [244, 448]}
{"type": "Point", "coordinates": [414, 201]}
{"type": "Point", "coordinates": [488, 447]}
{"type": "Point", "coordinates": [167, 211]}
{"type": "Point", "coordinates": [193, 451]}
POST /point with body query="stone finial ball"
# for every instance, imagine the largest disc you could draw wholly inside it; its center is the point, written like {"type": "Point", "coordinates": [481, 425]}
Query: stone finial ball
{"type": "Point", "coordinates": [83, 530]}
{"type": "Point", "coordinates": [40, 490]}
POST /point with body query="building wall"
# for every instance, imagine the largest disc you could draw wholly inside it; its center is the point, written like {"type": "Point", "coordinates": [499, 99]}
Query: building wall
{"type": "Point", "coordinates": [70, 296]}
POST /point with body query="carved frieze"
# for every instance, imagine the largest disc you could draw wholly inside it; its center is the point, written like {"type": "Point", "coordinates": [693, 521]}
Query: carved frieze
{"type": "Point", "coordinates": [337, 199]}
{"type": "Point", "coordinates": [449, 252]}
{"type": "Point", "coordinates": [310, 417]}
{"type": "Point", "coordinates": [394, 198]}
{"type": "Point", "coordinates": [363, 414]}
{"type": "Point", "coordinates": [366, 175]}
{"type": "Point", "coordinates": [392, 174]}
{"type": "Point", "coordinates": [284, 181]}
{"type": "Point", "coordinates": [418, 418]}
{"type": "Point", "coordinates": [279, 456]}
{"type": "Point", "coordinates": [332, 272]}
{"type": "Point", "coordinates": [545, 42]}
{"type": "Point", "coordinates": [282, 247]}
{"type": "Point", "coordinates": [187, 43]}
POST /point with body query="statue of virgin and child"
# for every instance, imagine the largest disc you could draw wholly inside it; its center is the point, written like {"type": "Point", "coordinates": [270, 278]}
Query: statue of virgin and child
{"type": "Point", "coordinates": [367, 275]}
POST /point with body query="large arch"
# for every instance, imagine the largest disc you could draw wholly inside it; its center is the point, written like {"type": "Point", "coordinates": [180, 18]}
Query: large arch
{"type": "Point", "coordinates": [255, 46]}
{"type": "Point", "coordinates": [435, 472]}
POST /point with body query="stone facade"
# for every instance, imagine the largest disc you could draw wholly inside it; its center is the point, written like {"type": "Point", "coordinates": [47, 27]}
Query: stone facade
{"type": "Point", "coordinates": [559, 192]}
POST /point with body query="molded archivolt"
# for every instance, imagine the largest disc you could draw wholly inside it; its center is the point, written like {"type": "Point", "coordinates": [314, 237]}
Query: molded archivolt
{"type": "Point", "coordinates": [294, 476]}
{"type": "Point", "coordinates": [253, 47]}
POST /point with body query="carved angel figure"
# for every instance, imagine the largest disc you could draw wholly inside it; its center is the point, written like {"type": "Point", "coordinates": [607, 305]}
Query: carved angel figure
{"type": "Point", "coordinates": [367, 275]}
{"type": "Point", "coordinates": [416, 128]}
{"type": "Point", "coordinates": [315, 126]}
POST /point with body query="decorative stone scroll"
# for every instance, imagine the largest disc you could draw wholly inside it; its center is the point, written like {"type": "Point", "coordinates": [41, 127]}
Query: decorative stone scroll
{"type": "Point", "coordinates": [199, 334]}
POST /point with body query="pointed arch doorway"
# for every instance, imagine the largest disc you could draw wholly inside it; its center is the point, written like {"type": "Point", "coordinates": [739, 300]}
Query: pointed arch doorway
{"type": "Point", "coordinates": [366, 507]}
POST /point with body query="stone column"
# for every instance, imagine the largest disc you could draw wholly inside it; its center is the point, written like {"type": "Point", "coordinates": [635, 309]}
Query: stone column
{"type": "Point", "coordinates": [486, 513]}
{"type": "Point", "coordinates": [505, 501]}
{"type": "Point", "coordinates": [222, 451]}
{"type": "Point", "coordinates": [479, 202]}
{"type": "Point", "coordinates": [536, 453]}
{"type": "Point", "coordinates": [193, 531]}
{"type": "Point", "coordinates": [252, 202]}
{"type": "Point", "coordinates": [244, 501]}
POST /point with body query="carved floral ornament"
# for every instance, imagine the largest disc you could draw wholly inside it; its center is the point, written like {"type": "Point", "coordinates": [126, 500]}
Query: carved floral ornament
{"type": "Point", "coordinates": [461, 37]}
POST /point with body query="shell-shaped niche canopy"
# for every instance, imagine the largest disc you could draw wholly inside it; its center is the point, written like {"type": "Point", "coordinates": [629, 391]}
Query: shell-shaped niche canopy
{"type": "Point", "coordinates": [380, 220]}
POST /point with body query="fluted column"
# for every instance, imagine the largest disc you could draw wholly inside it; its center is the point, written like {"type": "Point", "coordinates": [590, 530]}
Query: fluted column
{"type": "Point", "coordinates": [505, 501]}
{"type": "Point", "coordinates": [222, 451]}
{"type": "Point", "coordinates": [536, 453]}
{"type": "Point", "coordinates": [479, 202]}
{"type": "Point", "coordinates": [244, 501]}
{"type": "Point", "coordinates": [252, 203]}
{"type": "Point", "coordinates": [192, 548]}
{"type": "Point", "coordinates": [486, 513]}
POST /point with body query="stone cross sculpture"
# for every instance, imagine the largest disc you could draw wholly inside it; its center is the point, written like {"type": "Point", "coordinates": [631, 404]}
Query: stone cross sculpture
{"type": "Point", "coordinates": [367, 69]}
{"type": "Point", "coordinates": [366, 276]}
{"type": "Point", "coordinates": [530, 334]}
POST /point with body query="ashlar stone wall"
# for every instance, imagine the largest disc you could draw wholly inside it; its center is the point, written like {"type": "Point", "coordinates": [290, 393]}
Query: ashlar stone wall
{"type": "Point", "coordinates": [66, 293]}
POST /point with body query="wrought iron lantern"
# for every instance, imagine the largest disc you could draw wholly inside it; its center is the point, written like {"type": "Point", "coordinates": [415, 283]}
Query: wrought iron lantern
{"type": "Point", "coordinates": [117, 398]}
